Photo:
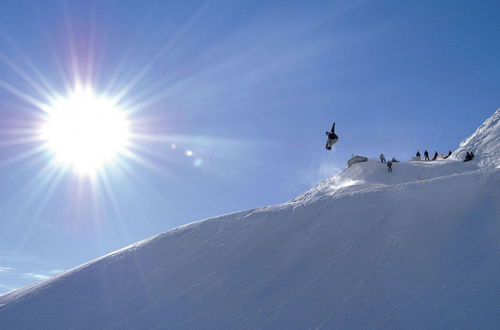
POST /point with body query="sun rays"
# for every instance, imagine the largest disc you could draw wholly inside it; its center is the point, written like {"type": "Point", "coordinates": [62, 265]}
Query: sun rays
{"type": "Point", "coordinates": [83, 125]}
{"type": "Point", "coordinates": [90, 131]}
{"type": "Point", "coordinates": [81, 137]}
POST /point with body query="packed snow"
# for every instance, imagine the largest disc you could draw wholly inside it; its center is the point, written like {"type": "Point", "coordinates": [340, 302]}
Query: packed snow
{"type": "Point", "coordinates": [413, 249]}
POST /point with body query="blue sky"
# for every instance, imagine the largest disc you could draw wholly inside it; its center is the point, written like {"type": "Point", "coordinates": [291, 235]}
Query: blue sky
{"type": "Point", "coordinates": [249, 87]}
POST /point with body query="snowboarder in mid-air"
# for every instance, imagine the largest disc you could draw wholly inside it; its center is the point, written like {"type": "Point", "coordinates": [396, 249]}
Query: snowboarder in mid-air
{"type": "Point", "coordinates": [332, 138]}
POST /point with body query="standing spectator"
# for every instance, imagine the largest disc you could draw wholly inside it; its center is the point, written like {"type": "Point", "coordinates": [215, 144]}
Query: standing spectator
{"type": "Point", "coordinates": [418, 155]}
{"type": "Point", "coordinates": [426, 155]}
{"type": "Point", "coordinates": [389, 166]}
{"type": "Point", "coordinates": [382, 158]}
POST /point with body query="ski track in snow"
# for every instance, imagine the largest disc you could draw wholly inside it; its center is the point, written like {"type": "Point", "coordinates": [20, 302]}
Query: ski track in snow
{"type": "Point", "coordinates": [413, 249]}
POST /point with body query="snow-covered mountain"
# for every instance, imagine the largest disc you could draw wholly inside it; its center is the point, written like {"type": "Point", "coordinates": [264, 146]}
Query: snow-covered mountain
{"type": "Point", "coordinates": [415, 249]}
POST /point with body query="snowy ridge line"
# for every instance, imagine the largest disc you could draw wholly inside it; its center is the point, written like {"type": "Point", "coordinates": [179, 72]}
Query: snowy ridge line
{"type": "Point", "coordinates": [338, 193]}
{"type": "Point", "coordinates": [282, 256]}
{"type": "Point", "coordinates": [379, 188]}
{"type": "Point", "coordinates": [190, 225]}
{"type": "Point", "coordinates": [26, 290]}
{"type": "Point", "coordinates": [127, 249]}
{"type": "Point", "coordinates": [373, 174]}
{"type": "Point", "coordinates": [490, 122]}
{"type": "Point", "coordinates": [399, 185]}
{"type": "Point", "coordinates": [341, 192]}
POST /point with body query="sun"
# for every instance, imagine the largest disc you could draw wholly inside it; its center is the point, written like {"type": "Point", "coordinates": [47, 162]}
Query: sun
{"type": "Point", "coordinates": [85, 131]}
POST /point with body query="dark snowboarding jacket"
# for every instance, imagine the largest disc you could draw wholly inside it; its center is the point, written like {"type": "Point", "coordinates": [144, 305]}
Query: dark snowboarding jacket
{"type": "Point", "coordinates": [331, 134]}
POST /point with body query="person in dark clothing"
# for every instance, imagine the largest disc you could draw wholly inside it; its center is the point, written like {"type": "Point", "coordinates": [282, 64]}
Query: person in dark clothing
{"type": "Point", "coordinates": [382, 158]}
{"type": "Point", "coordinates": [435, 156]}
{"type": "Point", "coordinates": [469, 156]}
{"type": "Point", "coordinates": [394, 160]}
{"type": "Point", "coordinates": [426, 155]}
{"type": "Point", "coordinates": [449, 154]}
{"type": "Point", "coordinates": [331, 134]}
{"type": "Point", "coordinates": [332, 138]}
{"type": "Point", "coordinates": [389, 166]}
{"type": "Point", "coordinates": [418, 155]}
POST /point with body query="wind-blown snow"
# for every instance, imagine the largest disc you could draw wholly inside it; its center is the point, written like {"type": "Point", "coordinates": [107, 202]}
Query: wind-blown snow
{"type": "Point", "coordinates": [418, 248]}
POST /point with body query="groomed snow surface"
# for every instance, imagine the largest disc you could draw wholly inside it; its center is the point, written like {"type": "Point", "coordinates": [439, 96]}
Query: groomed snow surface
{"type": "Point", "coordinates": [418, 248]}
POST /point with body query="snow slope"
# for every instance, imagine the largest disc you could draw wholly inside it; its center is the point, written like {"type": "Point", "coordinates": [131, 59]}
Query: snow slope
{"type": "Point", "coordinates": [418, 248]}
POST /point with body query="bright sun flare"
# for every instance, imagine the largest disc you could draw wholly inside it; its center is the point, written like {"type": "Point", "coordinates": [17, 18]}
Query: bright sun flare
{"type": "Point", "coordinates": [85, 131]}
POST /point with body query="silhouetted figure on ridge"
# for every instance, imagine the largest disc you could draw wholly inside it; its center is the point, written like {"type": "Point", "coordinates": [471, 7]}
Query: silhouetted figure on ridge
{"type": "Point", "coordinates": [426, 155]}
{"type": "Point", "coordinates": [382, 158]}
{"type": "Point", "coordinates": [469, 156]}
{"type": "Point", "coordinates": [418, 155]}
{"type": "Point", "coordinates": [449, 154]}
{"type": "Point", "coordinates": [435, 156]}
{"type": "Point", "coordinates": [389, 166]}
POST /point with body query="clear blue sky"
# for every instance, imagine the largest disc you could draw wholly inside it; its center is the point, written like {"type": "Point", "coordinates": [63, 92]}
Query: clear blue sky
{"type": "Point", "coordinates": [249, 87]}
